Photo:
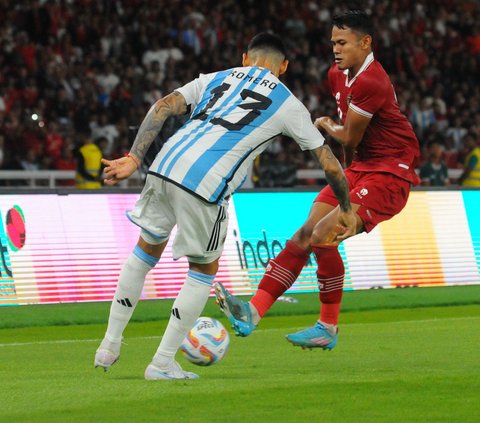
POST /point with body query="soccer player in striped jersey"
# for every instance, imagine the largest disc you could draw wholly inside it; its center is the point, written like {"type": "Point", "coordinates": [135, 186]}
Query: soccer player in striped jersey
{"type": "Point", "coordinates": [380, 151]}
{"type": "Point", "coordinates": [235, 115]}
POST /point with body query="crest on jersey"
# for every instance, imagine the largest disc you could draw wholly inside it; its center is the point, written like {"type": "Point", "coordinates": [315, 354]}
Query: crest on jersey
{"type": "Point", "coordinates": [363, 192]}
{"type": "Point", "coordinates": [349, 99]}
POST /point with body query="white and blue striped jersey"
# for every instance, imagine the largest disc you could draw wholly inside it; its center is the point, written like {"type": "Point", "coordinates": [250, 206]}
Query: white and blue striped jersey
{"type": "Point", "coordinates": [236, 114]}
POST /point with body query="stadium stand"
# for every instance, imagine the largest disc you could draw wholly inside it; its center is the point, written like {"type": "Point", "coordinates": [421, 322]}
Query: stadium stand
{"type": "Point", "coordinates": [67, 67]}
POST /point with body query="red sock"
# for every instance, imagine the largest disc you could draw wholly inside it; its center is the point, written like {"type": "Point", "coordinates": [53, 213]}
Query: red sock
{"type": "Point", "coordinates": [281, 273]}
{"type": "Point", "coordinates": [329, 313]}
{"type": "Point", "coordinates": [330, 275]}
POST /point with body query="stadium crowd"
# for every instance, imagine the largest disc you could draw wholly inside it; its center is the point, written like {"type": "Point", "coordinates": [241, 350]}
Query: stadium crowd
{"type": "Point", "coordinates": [86, 68]}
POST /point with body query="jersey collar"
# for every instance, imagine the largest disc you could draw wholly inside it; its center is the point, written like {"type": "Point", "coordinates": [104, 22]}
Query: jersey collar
{"type": "Point", "coordinates": [368, 60]}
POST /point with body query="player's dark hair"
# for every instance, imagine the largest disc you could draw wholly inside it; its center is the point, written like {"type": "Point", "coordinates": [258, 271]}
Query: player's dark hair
{"type": "Point", "coordinates": [267, 41]}
{"type": "Point", "coordinates": [357, 20]}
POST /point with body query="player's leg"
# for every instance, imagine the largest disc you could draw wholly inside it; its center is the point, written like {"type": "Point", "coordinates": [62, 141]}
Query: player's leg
{"type": "Point", "coordinates": [186, 309]}
{"type": "Point", "coordinates": [280, 274]}
{"type": "Point", "coordinates": [154, 215]}
{"type": "Point", "coordinates": [129, 288]}
{"type": "Point", "coordinates": [330, 276]}
{"type": "Point", "coordinates": [375, 197]}
{"type": "Point", "coordinates": [201, 232]}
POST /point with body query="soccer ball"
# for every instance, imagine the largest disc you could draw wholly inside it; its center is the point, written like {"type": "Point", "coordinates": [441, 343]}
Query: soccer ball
{"type": "Point", "coordinates": [206, 343]}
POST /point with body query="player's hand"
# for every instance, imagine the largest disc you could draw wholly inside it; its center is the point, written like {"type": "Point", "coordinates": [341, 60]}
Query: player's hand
{"type": "Point", "coordinates": [347, 225]}
{"type": "Point", "coordinates": [323, 121]}
{"type": "Point", "coordinates": [118, 169]}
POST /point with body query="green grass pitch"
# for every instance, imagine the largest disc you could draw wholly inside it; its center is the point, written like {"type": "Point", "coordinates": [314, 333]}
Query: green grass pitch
{"type": "Point", "coordinates": [408, 360]}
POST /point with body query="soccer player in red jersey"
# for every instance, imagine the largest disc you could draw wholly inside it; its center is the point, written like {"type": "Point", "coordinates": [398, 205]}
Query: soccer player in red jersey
{"type": "Point", "coordinates": [380, 149]}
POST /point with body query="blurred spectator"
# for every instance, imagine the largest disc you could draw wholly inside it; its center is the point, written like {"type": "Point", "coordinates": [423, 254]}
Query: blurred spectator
{"type": "Point", "coordinates": [29, 161]}
{"type": "Point", "coordinates": [105, 129]}
{"type": "Point", "coordinates": [155, 74]}
{"type": "Point", "coordinates": [54, 140]}
{"type": "Point", "coordinates": [434, 172]}
{"type": "Point", "coordinates": [66, 161]}
{"type": "Point", "coordinates": [89, 167]}
{"type": "Point", "coordinates": [154, 53]}
{"type": "Point", "coordinates": [422, 117]}
{"type": "Point", "coordinates": [107, 80]}
{"type": "Point", "coordinates": [102, 144]}
{"type": "Point", "coordinates": [62, 106]}
{"type": "Point", "coordinates": [471, 173]}
{"type": "Point", "coordinates": [457, 131]}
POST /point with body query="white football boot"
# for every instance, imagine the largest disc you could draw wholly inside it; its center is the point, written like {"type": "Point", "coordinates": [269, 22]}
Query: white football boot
{"type": "Point", "coordinates": [172, 371]}
{"type": "Point", "coordinates": [107, 354]}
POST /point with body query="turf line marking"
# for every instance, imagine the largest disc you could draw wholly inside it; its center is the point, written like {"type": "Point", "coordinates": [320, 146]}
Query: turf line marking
{"type": "Point", "coordinates": [73, 341]}
{"type": "Point", "coordinates": [68, 341]}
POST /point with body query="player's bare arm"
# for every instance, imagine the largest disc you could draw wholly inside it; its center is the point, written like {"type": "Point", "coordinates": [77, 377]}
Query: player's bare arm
{"type": "Point", "coordinates": [349, 153]}
{"type": "Point", "coordinates": [338, 182]}
{"type": "Point", "coordinates": [172, 104]}
{"type": "Point", "coordinates": [349, 134]}
{"type": "Point", "coordinates": [117, 170]}
{"type": "Point", "coordinates": [334, 175]}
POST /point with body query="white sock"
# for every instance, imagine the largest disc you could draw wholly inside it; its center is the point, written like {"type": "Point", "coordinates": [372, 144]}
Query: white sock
{"type": "Point", "coordinates": [129, 289]}
{"type": "Point", "coordinates": [111, 346]}
{"type": "Point", "coordinates": [331, 328]}
{"type": "Point", "coordinates": [255, 316]}
{"type": "Point", "coordinates": [186, 309]}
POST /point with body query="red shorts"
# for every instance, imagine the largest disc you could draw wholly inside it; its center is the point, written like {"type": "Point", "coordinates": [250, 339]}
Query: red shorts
{"type": "Point", "coordinates": [380, 195]}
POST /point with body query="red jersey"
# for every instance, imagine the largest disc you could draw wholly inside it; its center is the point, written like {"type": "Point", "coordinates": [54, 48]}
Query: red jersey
{"type": "Point", "coordinates": [389, 143]}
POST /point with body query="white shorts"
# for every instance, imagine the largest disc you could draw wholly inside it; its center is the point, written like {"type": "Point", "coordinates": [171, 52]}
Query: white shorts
{"type": "Point", "coordinates": [201, 227]}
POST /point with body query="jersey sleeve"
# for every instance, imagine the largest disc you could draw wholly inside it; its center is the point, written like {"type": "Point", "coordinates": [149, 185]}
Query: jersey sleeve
{"type": "Point", "coordinates": [368, 96]}
{"type": "Point", "coordinates": [193, 90]}
{"type": "Point", "coordinates": [331, 80]}
{"type": "Point", "coordinates": [298, 125]}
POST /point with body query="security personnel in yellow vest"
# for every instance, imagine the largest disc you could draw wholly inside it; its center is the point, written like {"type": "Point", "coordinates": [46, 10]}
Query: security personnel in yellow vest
{"type": "Point", "coordinates": [89, 166]}
{"type": "Point", "coordinates": [471, 173]}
